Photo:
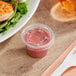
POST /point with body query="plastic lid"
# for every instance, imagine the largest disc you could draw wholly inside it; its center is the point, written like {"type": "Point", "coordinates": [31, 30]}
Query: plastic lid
{"type": "Point", "coordinates": [41, 26]}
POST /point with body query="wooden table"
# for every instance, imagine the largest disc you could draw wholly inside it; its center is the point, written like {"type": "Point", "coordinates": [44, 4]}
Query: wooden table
{"type": "Point", "coordinates": [13, 58]}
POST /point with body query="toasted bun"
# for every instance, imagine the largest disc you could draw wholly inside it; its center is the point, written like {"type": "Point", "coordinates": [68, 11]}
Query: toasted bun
{"type": "Point", "coordinates": [60, 14]}
{"type": "Point", "coordinates": [6, 11]}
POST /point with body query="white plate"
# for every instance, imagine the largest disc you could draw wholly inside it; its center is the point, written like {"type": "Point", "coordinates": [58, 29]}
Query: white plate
{"type": "Point", "coordinates": [32, 6]}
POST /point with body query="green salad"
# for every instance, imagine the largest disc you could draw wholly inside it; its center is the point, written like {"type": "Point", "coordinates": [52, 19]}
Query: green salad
{"type": "Point", "coordinates": [20, 9]}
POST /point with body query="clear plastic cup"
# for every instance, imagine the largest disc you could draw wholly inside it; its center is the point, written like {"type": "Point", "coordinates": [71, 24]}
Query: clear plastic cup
{"type": "Point", "coordinates": [37, 51]}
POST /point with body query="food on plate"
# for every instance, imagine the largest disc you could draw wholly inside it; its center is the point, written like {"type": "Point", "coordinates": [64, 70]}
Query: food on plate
{"type": "Point", "coordinates": [69, 5]}
{"type": "Point", "coordinates": [60, 14]}
{"type": "Point", "coordinates": [11, 11]}
{"type": "Point", "coordinates": [6, 11]}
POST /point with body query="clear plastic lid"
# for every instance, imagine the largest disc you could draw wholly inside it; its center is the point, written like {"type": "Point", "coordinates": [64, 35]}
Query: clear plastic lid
{"type": "Point", "coordinates": [41, 26]}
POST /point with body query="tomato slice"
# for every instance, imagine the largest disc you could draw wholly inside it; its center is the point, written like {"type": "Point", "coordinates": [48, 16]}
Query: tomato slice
{"type": "Point", "coordinates": [5, 8]}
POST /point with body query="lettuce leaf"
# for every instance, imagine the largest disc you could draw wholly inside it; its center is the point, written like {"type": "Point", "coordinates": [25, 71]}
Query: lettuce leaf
{"type": "Point", "coordinates": [20, 9]}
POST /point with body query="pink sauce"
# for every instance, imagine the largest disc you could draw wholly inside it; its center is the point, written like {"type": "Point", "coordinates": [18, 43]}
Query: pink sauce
{"type": "Point", "coordinates": [37, 37]}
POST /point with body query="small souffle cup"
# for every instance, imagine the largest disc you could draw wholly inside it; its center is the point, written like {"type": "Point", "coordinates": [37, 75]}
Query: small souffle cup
{"type": "Point", "coordinates": [38, 38]}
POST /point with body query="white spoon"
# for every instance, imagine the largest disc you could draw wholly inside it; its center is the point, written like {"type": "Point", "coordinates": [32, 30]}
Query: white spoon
{"type": "Point", "coordinates": [69, 61]}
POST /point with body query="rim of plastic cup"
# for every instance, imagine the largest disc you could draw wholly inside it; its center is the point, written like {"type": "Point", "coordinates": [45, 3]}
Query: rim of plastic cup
{"type": "Point", "coordinates": [41, 26]}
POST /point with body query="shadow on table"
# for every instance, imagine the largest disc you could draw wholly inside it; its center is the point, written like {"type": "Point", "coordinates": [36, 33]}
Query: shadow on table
{"type": "Point", "coordinates": [16, 61]}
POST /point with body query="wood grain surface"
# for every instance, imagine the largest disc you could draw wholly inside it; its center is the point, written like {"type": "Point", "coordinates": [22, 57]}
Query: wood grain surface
{"type": "Point", "coordinates": [13, 58]}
